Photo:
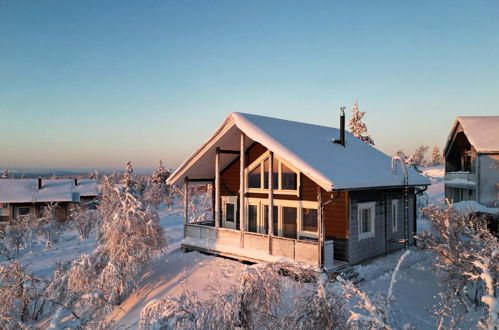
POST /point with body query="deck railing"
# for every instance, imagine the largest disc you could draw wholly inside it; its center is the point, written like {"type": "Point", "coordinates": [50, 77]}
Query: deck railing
{"type": "Point", "coordinates": [299, 250]}
{"type": "Point", "coordinates": [460, 178]}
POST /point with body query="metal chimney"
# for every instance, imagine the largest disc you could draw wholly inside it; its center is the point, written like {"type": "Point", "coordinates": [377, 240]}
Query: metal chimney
{"type": "Point", "coordinates": [39, 183]}
{"type": "Point", "coordinates": [342, 128]}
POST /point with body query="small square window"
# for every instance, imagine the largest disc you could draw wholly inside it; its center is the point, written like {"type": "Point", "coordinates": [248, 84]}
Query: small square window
{"type": "Point", "coordinates": [23, 211]}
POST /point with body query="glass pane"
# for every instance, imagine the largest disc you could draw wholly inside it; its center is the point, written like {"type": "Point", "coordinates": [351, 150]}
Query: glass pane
{"type": "Point", "coordinates": [275, 221]}
{"type": "Point", "coordinates": [289, 221]}
{"type": "Point", "coordinates": [309, 220]}
{"type": "Point", "coordinates": [266, 174]}
{"type": "Point", "coordinates": [288, 178]}
{"type": "Point", "coordinates": [394, 215]}
{"type": "Point", "coordinates": [365, 221]}
{"type": "Point", "coordinates": [252, 216]}
{"type": "Point", "coordinates": [229, 212]}
{"type": "Point", "coordinates": [23, 211]}
{"type": "Point", "coordinates": [275, 173]}
{"type": "Point", "coordinates": [254, 177]}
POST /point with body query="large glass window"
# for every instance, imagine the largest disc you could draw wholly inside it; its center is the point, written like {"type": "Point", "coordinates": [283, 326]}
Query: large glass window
{"type": "Point", "coordinates": [289, 217]}
{"type": "Point", "coordinates": [254, 177]}
{"type": "Point", "coordinates": [288, 178]}
{"type": "Point", "coordinates": [252, 218]}
{"type": "Point", "coordinates": [366, 219]}
{"type": "Point", "coordinates": [285, 180]}
{"type": "Point", "coordinates": [309, 218]}
{"type": "Point", "coordinates": [275, 216]}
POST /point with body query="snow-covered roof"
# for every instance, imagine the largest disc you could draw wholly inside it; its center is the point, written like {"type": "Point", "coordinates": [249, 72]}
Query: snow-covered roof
{"type": "Point", "coordinates": [482, 132]}
{"type": "Point", "coordinates": [87, 188]}
{"type": "Point", "coordinates": [308, 147]}
{"type": "Point", "coordinates": [53, 190]}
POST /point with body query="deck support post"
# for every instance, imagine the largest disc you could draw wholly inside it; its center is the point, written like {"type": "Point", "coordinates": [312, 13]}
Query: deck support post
{"type": "Point", "coordinates": [270, 219]}
{"type": "Point", "coordinates": [241, 190]}
{"type": "Point", "coordinates": [320, 227]}
{"type": "Point", "coordinates": [186, 204]}
{"type": "Point", "coordinates": [217, 188]}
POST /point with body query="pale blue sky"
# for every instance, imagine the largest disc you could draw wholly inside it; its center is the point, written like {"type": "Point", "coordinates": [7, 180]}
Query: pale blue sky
{"type": "Point", "coordinates": [87, 84]}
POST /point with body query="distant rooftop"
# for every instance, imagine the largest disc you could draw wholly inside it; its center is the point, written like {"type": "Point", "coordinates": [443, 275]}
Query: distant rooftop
{"type": "Point", "coordinates": [52, 190]}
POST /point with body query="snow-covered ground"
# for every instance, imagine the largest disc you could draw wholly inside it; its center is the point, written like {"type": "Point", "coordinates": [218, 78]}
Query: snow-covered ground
{"type": "Point", "coordinates": [174, 272]}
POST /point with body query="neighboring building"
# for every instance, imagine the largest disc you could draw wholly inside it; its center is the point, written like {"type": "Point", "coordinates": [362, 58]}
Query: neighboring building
{"type": "Point", "coordinates": [331, 202]}
{"type": "Point", "coordinates": [472, 160]}
{"type": "Point", "coordinates": [20, 197]}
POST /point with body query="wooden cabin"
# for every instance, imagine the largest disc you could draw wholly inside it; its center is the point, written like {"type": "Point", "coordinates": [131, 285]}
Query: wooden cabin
{"type": "Point", "coordinates": [21, 197]}
{"type": "Point", "coordinates": [332, 199]}
{"type": "Point", "coordinates": [472, 160]}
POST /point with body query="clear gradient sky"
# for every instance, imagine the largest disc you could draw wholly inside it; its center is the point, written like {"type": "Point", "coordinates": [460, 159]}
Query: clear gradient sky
{"type": "Point", "coordinates": [91, 84]}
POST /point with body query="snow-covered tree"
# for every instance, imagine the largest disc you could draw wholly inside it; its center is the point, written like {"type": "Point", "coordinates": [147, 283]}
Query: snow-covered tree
{"type": "Point", "coordinates": [5, 174]}
{"type": "Point", "coordinates": [85, 220]}
{"type": "Point", "coordinates": [357, 127]}
{"type": "Point", "coordinates": [467, 253]}
{"type": "Point", "coordinates": [161, 174]}
{"type": "Point", "coordinates": [49, 225]}
{"type": "Point", "coordinates": [417, 159]}
{"type": "Point", "coordinates": [436, 156]}
{"type": "Point", "coordinates": [128, 239]}
{"type": "Point", "coordinates": [129, 183]}
{"type": "Point", "coordinates": [17, 290]}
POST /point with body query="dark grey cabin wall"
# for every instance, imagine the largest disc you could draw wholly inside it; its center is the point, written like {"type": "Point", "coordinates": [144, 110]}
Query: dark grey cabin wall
{"type": "Point", "coordinates": [381, 243]}
{"type": "Point", "coordinates": [370, 247]}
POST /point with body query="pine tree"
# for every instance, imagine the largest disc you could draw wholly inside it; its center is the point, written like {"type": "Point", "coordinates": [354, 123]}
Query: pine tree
{"type": "Point", "coordinates": [436, 156]}
{"type": "Point", "coordinates": [129, 183]}
{"type": "Point", "coordinates": [357, 128]}
{"type": "Point", "coordinates": [161, 174]}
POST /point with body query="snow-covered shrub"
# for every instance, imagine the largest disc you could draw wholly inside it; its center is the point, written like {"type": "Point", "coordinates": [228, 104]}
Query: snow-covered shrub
{"type": "Point", "coordinates": [74, 303]}
{"type": "Point", "coordinates": [467, 254]}
{"type": "Point", "coordinates": [256, 302]}
{"type": "Point", "coordinates": [322, 308]}
{"type": "Point", "coordinates": [14, 236]}
{"type": "Point", "coordinates": [85, 220]}
{"type": "Point", "coordinates": [18, 290]}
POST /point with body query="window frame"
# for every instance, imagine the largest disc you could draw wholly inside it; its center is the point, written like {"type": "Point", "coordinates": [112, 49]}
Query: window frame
{"type": "Point", "coordinates": [394, 215]}
{"type": "Point", "coordinates": [23, 207]}
{"type": "Point", "coordinates": [280, 203]}
{"type": "Point", "coordinates": [277, 185]}
{"type": "Point", "coordinates": [364, 206]}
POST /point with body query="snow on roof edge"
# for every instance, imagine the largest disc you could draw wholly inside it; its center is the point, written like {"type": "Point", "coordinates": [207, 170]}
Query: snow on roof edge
{"type": "Point", "coordinates": [173, 178]}
{"type": "Point", "coordinates": [270, 143]}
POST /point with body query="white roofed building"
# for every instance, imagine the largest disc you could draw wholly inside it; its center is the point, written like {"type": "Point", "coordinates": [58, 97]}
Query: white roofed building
{"type": "Point", "coordinates": [333, 199]}
{"type": "Point", "coordinates": [20, 197]}
{"type": "Point", "coordinates": [472, 160]}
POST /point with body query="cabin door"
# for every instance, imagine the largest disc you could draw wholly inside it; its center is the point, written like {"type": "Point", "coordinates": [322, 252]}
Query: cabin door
{"type": "Point", "coordinates": [229, 212]}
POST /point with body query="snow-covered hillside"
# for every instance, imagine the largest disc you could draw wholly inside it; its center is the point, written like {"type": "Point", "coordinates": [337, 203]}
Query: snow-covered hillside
{"type": "Point", "coordinates": [416, 289]}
